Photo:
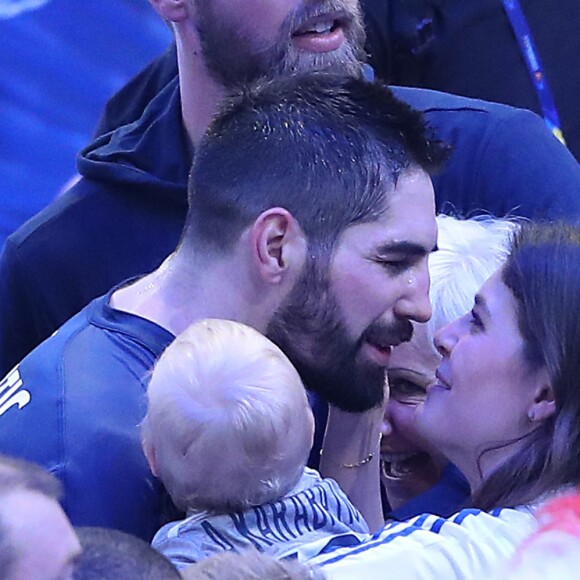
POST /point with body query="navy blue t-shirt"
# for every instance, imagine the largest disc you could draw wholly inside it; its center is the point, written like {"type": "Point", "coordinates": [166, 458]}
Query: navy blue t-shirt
{"type": "Point", "coordinates": [74, 405]}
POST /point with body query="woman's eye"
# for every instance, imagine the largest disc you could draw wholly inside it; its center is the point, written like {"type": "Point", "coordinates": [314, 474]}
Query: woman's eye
{"type": "Point", "coordinates": [475, 320]}
{"type": "Point", "coordinates": [406, 391]}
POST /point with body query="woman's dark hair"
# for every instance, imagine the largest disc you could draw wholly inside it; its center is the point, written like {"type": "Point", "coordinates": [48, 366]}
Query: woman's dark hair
{"type": "Point", "coordinates": [543, 274]}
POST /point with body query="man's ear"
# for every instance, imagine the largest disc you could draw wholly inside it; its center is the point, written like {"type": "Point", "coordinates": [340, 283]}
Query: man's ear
{"type": "Point", "coordinates": [278, 245]}
{"type": "Point", "coordinates": [172, 10]}
{"type": "Point", "coordinates": [544, 403]}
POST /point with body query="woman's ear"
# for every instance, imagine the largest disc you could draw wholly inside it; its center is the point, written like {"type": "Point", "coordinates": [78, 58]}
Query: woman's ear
{"type": "Point", "coordinates": [544, 403]}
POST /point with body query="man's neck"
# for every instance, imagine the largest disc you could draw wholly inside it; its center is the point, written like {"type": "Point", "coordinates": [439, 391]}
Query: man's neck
{"type": "Point", "coordinates": [201, 94]}
{"type": "Point", "coordinates": [174, 298]}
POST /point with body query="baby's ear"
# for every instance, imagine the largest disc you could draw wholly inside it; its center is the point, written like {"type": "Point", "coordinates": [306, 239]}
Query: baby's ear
{"type": "Point", "coordinates": [149, 451]}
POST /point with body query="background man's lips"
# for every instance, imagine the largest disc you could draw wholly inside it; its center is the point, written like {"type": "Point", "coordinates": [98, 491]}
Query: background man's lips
{"type": "Point", "coordinates": [325, 42]}
{"type": "Point", "coordinates": [322, 33]}
{"type": "Point", "coordinates": [335, 19]}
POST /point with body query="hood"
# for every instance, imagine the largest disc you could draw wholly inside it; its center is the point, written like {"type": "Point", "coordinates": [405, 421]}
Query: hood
{"type": "Point", "coordinates": [150, 154]}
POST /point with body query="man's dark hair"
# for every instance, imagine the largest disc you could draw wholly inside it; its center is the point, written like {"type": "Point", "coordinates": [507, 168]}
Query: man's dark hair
{"type": "Point", "coordinates": [111, 555]}
{"type": "Point", "coordinates": [21, 474]}
{"type": "Point", "coordinates": [326, 147]}
{"type": "Point", "coordinates": [18, 474]}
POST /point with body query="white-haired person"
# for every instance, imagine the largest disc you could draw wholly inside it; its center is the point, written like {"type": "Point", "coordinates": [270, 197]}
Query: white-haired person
{"type": "Point", "coordinates": [416, 477]}
{"type": "Point", "coordinates": [228, 431]}
{"type": "Point", "coordinates": [505, 408]}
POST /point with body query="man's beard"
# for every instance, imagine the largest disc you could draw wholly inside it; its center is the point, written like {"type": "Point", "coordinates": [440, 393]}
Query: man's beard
{"type": "Point", "coordinates": [232, 59]}
{"type": "Point", "coordinates": [309, 329]}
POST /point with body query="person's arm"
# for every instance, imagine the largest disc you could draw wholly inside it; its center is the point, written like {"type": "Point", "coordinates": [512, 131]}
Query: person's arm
{"type": "Point", "coordinates": [351, 456]}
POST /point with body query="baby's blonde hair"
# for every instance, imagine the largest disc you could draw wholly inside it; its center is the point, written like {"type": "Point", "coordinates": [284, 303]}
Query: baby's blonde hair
{"type": "Point", "coordinates": [228, 418]}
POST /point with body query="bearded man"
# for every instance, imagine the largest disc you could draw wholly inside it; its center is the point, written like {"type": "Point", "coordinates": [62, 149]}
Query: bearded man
{"type": "Point", "coordinates": [311, 218]}
{"type": "Point", "coordinates": [126, 213]}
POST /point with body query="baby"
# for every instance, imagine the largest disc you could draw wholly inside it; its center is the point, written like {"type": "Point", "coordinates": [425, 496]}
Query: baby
{"type": "Point", "coordinates": [228, 431]}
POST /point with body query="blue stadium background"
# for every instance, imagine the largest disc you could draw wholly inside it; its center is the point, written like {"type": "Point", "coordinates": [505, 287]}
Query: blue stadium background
{"type": "Point", "coordinates": [60, 60]}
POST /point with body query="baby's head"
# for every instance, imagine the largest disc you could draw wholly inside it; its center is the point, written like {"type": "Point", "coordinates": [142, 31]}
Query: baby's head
{"type": "Point", "coordinates": [228, 424]}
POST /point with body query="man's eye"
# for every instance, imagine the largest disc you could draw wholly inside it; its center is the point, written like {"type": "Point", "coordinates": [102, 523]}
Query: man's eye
{"type": "Point", "coordinates": [406, 391]}
{"type": "Point", "coordinates": [395, 266]}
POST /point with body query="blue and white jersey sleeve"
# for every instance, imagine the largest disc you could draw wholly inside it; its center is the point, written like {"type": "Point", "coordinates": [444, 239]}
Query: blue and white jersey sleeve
{"type": "Point", "coordinates": [468, 545]}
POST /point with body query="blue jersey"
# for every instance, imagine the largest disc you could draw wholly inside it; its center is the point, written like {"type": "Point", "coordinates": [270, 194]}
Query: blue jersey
{"type": "Point", "coordinates": [74, 405]}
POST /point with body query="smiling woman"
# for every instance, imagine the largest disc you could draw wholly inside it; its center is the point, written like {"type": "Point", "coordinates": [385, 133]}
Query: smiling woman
{"type": "Point", "coordinates": [505, 407]}
{"type": "Point", "coordinates": [469, 251]}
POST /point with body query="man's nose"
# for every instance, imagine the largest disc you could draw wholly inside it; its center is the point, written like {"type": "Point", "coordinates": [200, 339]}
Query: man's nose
{"type": "Point", "coordinates": [414, 304]}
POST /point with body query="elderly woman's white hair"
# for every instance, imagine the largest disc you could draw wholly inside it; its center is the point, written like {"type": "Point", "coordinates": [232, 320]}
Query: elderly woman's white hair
{"type": "Point", "coordinates": [228, 423]}
{"type": "Point", "coordinates": [470, 251]}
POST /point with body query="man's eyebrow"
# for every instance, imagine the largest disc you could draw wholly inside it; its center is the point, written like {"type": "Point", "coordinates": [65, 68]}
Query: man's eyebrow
{"type": "Point", "coordinates": [407, 248]}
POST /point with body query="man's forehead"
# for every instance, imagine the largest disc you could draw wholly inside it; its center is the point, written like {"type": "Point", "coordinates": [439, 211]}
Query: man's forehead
{"type": "Point", "coordinates": [411, 234]}
{"type": "Point", "coordinates": [408, 220]}
{"type": "Point", "coordinates": [378, 239]}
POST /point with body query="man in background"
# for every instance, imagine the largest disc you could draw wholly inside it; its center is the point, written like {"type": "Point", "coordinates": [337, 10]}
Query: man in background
{"type": "Point", "coordinates": [37, 541]}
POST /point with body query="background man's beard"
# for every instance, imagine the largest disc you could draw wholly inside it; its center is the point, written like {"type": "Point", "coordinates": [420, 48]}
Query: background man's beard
{"type": "Point", "coordinates": [245, 63]}
{"type": "Point", "coordinates": [310, 331]}
{"type": "Point", "coordinates": [347, 385]}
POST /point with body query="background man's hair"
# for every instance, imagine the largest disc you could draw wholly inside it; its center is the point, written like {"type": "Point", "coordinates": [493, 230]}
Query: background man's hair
{"type": "Point", "coordinates": [113, 555]}
{"type": "Point", "coordinates": [326, 147]}
{"type": "Point", "coordinates": [19, 474]}
{"type": "Point", "coordinates": [228, 418]}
